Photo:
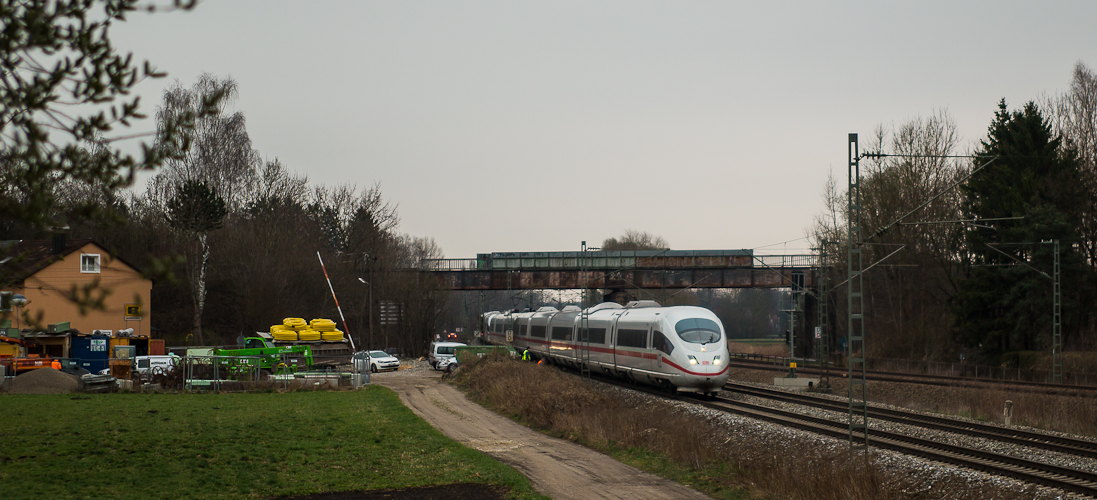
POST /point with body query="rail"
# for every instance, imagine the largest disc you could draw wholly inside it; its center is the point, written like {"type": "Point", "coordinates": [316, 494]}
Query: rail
{"type": "Point", "coordinates": [1022, 468]}
{"type": "Point", "coordinates": [938, 369]}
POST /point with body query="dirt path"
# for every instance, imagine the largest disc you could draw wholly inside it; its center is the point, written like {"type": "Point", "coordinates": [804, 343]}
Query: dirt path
{"type": "Point", "coordinates": [558, 469]}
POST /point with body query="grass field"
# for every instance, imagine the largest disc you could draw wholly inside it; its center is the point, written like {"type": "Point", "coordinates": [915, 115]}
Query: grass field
{"type": "Point", "coordinates": [228, 446]}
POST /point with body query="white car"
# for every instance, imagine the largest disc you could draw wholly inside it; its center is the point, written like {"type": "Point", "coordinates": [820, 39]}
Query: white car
{"type": "Point", "coordinates": [442, 350]}
{"type": "Point", "coordinates": [381, 360]}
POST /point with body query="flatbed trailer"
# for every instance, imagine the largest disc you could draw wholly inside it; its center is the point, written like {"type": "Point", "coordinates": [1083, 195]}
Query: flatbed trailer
{"type": "Point", "coordinates": [324, 352]}
{"type": "Point", "coordinates": [19, 365]}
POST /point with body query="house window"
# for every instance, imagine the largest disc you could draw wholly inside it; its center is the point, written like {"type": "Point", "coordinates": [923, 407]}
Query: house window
{"type": "Point", "coordinates": [5, 301]}
{"type": "Point", "coordinates": [89, 262]}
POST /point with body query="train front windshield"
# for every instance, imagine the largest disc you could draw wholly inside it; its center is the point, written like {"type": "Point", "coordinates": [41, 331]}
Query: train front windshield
{"type": "Point", "coordinates": [698, 330]}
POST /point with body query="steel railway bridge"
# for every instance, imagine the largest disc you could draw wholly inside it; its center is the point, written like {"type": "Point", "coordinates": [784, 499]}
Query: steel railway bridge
{"type": "Point", "coordinates": [626, 269]}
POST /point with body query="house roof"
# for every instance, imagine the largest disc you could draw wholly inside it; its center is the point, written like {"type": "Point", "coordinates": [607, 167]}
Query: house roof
{"type": "Point", "coordinates": [21, 259]}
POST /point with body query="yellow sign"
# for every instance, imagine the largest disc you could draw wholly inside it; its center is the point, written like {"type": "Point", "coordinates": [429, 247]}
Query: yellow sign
{"type": "Point", "coordinates": [133, 311]}
{"type": "Point", "coordinates": [792, 365]}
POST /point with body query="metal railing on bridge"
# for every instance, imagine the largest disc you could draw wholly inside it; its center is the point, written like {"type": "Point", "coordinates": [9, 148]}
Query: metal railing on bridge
{"type": "Point", "coordinates": [639, 259]}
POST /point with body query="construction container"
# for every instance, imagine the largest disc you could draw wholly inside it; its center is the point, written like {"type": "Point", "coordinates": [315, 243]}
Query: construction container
{"type": "Point", "coordinates": [157, 348]}
{"type": "Point", "coordinates": [90, 352]}
{"type": "Point", "coordinates": [121, 360]}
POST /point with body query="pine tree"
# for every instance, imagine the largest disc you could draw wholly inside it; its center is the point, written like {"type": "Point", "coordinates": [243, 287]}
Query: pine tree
{"type": "Point", "coordinates": [1033, 188]}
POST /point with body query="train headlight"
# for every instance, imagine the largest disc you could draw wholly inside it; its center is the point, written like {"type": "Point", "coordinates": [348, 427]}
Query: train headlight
{"type": "Point", "coordinates": [716, 360]}
{"type": "Point", "coordinates": [692, 360]}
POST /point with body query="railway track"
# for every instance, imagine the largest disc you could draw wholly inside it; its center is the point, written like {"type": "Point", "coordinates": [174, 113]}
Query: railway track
{"type": "Point", "coordinates": [938, 380]}
{"type": "Point", "coordinates": [1029, 471]}
{"type": "Point", "coordinates": [1032, 439]}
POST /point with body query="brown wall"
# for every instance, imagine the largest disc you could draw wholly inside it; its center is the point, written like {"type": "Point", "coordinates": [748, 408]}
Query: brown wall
{"type": "Point", "coordinates": [48, 293]}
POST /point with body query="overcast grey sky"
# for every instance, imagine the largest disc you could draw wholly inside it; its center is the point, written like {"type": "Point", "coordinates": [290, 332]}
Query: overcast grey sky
{"type": "Point", "coordinates": [531, 126]}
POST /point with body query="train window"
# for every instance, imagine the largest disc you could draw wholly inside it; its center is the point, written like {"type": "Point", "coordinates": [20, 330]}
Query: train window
{"type": "Point", "coordinates": [595, 335]}
{"type": "Point", "coordinates": [522, 330]}
{"type": "Point", "coordinates": [632, 338]}
{"type": "Point", "coordinates": [537, 331]}
{"type": "Point", "coordinates": [561, 333]}
{"type": "Point", "coordinates": [661, 342]}
{"type": "Point", "coordinates": [698, 330]}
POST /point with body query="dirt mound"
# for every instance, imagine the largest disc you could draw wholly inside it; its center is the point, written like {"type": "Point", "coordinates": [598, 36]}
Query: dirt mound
{"type": "Point", "coordinates": [447, 492]}
{"type": "Point", "coordinates": [45, 381]}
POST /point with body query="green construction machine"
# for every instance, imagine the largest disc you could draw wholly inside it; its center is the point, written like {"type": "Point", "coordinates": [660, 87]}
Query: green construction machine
{"type": "Point", "coordinates": [271, 358]}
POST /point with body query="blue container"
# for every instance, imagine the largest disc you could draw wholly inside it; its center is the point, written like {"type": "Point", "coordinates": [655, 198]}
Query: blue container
{"type": "Point", "coordinates": [90, 352]}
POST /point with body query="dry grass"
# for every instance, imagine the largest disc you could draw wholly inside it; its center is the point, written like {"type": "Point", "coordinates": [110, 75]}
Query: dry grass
{"type": "Point", "coordinates": [776, 349]}
{"type": "Point", "coordinates": [1070, 414]}
{"type": "Point", "coordinates": [570, 407]}
{"type": "Point", "coordinates": [724, 460]}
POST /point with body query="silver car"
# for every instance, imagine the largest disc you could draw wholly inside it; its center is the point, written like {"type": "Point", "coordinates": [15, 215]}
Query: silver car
{"type": "Point", "coordinates": [381, 360]}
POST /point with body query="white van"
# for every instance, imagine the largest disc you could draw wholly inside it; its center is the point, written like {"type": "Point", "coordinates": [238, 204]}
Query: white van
{"type": "Point", "coordinates": [442, 350]}
{"type": "Point", "coordinates": [147, 366]}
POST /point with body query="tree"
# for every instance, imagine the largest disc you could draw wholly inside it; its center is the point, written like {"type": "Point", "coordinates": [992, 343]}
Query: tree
{"type": "Point", "coordinates": [910, 292]}
{"type": "Point", "coordinates": [63, 97]}
{"type": "Point", "coordinates": [1074, 116]}
{"type": "Point", "coordinates": [1035, 190]}
{"type": "Point", "coordinates": [196, 209]}
{"type": "Point", "coordinates": [636, 240]}
{"type": "Point", "coordinates": [217, 150]}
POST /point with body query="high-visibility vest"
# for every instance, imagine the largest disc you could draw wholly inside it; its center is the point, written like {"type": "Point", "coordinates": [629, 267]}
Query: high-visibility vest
{"type": "Point", "coordinates": [525, 355]}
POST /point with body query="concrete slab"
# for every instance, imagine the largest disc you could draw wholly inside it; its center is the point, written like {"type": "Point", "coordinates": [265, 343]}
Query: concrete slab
{"type": "Point", "coordinates": [796, 384]}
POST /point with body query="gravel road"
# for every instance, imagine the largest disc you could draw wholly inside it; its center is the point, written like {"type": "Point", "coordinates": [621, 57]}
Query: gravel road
{"type": "Point", "coordinates": [557, 468]}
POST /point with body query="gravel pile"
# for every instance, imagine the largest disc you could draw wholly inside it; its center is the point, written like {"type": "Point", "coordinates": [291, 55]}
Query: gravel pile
{"type": "Point", "coordinates": [44, 381]}
{"type": "Point", "coordinates": [927, 473]}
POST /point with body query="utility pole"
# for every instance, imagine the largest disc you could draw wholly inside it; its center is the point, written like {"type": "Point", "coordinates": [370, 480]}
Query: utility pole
{"type": "Point", "coordinates": [584, 314]}
{"type": "Point", "coordinates": [369, 300]}
{"type": "Point", "coordinates": [1056, 325]}
{"type": "Point", "coordinates": [822, 328]}
{"type": "Point", "coordinates": [855, 337]}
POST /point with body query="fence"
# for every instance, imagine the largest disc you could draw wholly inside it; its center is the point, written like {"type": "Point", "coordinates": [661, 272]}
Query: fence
{"type": "Point", "coordinates": [967, 370]}
{"type": "Point", "coordinates": [216, 373]}
{"type": "Point", "coordinates": [938, 369]}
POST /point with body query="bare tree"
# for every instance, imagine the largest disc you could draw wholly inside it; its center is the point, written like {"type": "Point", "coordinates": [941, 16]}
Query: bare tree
{"type": "Point", "coordinates": [1074, 116]}
{"type": "Point", "coordinates": [636, 240]}
{"type": "Point", "coordinates": [909, 292]}
{"type": "Point", "coordinates": [217, 151]}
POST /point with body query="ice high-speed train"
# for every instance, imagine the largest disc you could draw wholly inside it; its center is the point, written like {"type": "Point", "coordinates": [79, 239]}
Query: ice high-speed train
{"type": "Point", "coordinates": [677, 348]}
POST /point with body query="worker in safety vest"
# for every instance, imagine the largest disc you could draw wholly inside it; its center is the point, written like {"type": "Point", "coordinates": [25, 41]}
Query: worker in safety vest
{"type": "Point", "coordinates": [56, 365]}
{"type": "Point", "coordinates": [525, 355]}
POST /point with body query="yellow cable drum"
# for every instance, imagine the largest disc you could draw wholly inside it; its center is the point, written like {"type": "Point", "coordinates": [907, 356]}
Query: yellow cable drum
{"type": "Point", "coordinates": [336, 335]}
{"type": "Point", "coordinates": [308, 335]}
{"type": "Point", "coordinates": [285, 335]}
{"type": "Point", "coordinates": [322, 325]}
{"type": "Point", "coordinates": [297, 324]}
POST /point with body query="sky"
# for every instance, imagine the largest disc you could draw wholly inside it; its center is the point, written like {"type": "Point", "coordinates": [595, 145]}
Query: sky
{"type": "Point", "coordinates": [523, 126]}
